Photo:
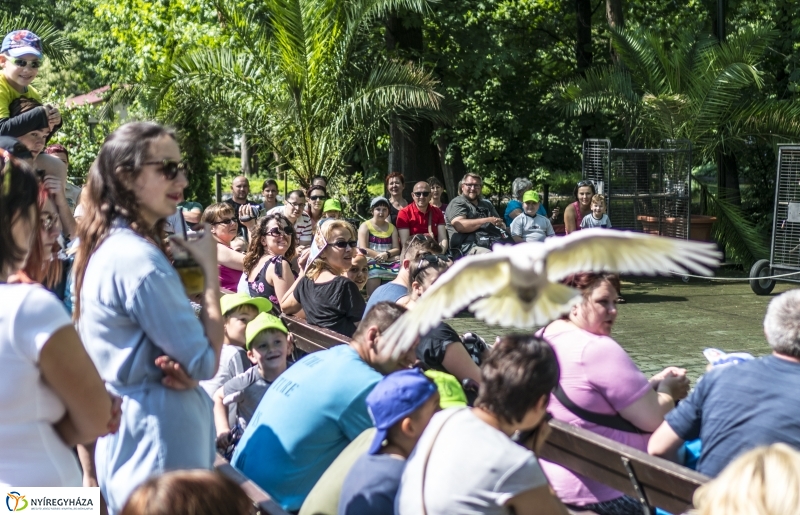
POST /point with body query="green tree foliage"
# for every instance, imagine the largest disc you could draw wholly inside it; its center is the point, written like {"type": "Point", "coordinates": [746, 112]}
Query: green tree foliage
{"type": "Point", "coordinates": [293, 80]}
{"type": "Point", "coordinates": [82, 133]}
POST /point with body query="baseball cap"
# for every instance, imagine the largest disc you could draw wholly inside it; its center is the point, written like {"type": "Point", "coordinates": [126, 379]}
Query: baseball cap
{"type": "Point", "coordinates": [234, 300]}
{"type": "Point", "coordinates": [15, 148]}
{"type": "Point", "coordinates": [331, 205]}
{"type": "Point", "coordinates": [378, 200]}
{"type": "Point", "coordinates": [262, 322]}
{"type": "Point", "coordinates": [530, 196]}
{"type": "Point", "coordinates": [719, 357]}
{"type": "Point", "coordinates": [394, 398]}
{"type": "Point", "coordinates": [21, 42]}
{"type": "Point", "coordinates": [451, 394]}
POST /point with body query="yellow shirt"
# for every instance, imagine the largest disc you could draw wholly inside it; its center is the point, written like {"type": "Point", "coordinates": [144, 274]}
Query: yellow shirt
{"type": "Point", "coordinates": [8, 94]}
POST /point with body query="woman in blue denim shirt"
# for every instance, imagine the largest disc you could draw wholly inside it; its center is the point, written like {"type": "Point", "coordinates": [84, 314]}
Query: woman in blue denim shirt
{"type": "Point", "coordinates": [134, 317]}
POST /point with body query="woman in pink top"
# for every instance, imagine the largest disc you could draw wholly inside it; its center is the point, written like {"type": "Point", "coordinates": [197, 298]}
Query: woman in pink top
{"type": "Point", "coordinates": [224, 228]}
{"type": "Point", "coordinates": [582, 206]}
{"type": "Point", "coordinates": [598, 376]}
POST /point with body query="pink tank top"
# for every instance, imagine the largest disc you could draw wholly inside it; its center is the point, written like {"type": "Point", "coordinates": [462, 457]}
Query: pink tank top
{"type": "Point", "coordinates": [229, 278]}
{"type": "Point", "coordinates": [578, 217]}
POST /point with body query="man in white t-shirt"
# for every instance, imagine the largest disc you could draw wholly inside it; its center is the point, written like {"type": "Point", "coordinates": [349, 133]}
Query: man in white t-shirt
{"type": "Point", "coordinates": [292, 209]}
{"type": "Point", "coordinates": [529, 226]}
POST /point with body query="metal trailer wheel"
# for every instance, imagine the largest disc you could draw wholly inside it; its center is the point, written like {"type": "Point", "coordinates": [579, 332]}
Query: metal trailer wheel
{"type": "Point", "coordinates": [685, 278]}
{"type": "Point", "coordinates": [761, 268]}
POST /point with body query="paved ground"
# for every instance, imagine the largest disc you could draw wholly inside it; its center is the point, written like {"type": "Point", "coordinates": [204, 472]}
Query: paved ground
{"type": "Point", "coordinates": [667, 322]}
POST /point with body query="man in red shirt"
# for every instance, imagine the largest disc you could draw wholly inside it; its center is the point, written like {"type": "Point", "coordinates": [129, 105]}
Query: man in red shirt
{"type": "Point", "coordinates": [419, 217]}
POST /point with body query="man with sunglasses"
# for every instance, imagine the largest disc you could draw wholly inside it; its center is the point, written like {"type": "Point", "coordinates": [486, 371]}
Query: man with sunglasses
{"type": "Point", "coordinates": [293, 209]}
{"type": "Point", "coordinates": [420, 217]}
{"type": "Point", "coordinates": [20, 58]}
{"type": "Point", "coordinates": [467, 213]}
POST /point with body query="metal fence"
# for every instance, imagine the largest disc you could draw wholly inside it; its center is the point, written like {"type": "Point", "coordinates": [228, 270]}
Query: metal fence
{"type": "Point", "coordinates": [646, 190]}
{"type": "Point", "coordinates": [786, 233]}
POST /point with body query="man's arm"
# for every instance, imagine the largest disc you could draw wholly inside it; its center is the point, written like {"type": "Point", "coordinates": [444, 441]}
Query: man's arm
{"type": "Point", "coordinates": [464, 225]}
{"type": "Point", "coordinates": [665, 443]}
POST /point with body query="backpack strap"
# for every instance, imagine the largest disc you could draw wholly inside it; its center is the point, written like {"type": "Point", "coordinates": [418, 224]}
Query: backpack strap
{"type": "Point", "coordinates": [611, 421]}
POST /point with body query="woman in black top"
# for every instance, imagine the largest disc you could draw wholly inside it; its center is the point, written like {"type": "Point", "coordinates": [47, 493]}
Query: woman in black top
{"type": "Point", "coordinates": [441, 349]}
{"type": "Point", "coordinates": [266, 263]}
{"type": "Point", "coordinates": [328, 299]}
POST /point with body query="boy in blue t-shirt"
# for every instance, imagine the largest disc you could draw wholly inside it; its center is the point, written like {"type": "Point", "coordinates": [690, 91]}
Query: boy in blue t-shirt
{"type": "Point", "coordinates": [20, 58]}
{"type": "Point", "coordinates": [401, 405]}
{"type": "Point", "coordinates": [598, 216]}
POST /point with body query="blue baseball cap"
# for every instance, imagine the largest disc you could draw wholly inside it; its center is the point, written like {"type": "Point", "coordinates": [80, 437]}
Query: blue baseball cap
{"type": "Point", "coordinates": [21, 42]}
{"type": "Point", "coordinates": [394, 398]}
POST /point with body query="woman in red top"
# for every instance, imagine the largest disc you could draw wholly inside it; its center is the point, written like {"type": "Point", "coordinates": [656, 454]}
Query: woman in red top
{"type": "Point", "coordinates": [582, 206]}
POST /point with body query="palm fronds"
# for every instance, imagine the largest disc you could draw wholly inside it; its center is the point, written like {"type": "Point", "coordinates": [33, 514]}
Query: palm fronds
{"type": "Point", "coordinates": [54, 44]}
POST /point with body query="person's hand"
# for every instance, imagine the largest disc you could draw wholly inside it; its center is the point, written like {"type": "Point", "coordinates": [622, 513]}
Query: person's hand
{"type": "Point", "coordinates": [303, 258]}
{"type": "Point", "coordinates": [224, 441]}
{"type": "Point", "coordinates": [203, 249]}
{"type": "Point", "coordinates": [54, 186]}
{"type": "Point", "coordinates": [53, 116]}
{"type": "Point", "coordinates": [676, 386]}
{"type": "Point", "coordinates": [380, 258]}
{"type": "Point", "coordinates": [556, 212]}
{"type": "Point", "coordinates": [667, 372]}
{"type": "Point", "coordinates": [175, 376]}
{"type": "Point", "coordinates": [116, 414]}
{"type": "Point", "coordinates": [247, 216]}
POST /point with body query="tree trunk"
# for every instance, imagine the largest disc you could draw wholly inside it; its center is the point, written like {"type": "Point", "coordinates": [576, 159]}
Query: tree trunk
{"type": "Point", "coordinates": [411, 152]}
{"type": "Point", "coordinates": [583, 48]}
{"type": "Point", "coordinates": [245, 156]}
{"type": "Point", "coordinates": [728, 177]}
{"type": "Point", "coordinates": [614, 14]}
{"type": "Point", "coordinates": [448, 175]}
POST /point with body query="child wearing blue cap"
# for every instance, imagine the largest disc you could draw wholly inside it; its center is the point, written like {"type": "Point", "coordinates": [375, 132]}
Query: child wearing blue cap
{"type": "Point", "coordinates": [401, 405]}
{"type": "Point", "coordinates": [20, 58]}
{"type": "Point", "coordinates": [267, 342]}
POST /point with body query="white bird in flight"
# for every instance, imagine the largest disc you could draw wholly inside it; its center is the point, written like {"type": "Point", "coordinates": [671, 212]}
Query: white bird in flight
{"type": "Point", "coordinates": [517, 285]}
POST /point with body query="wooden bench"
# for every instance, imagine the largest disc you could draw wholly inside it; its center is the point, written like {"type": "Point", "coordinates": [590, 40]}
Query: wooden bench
{"type": "Point", "coordinates": [260, 498]}
{"type": "Point", "coordinates": [653, 481]}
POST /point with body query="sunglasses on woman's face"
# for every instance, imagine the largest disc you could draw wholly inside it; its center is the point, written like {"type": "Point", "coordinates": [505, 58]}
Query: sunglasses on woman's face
{"type": "Point", "coordinates": [419, 194]}
{"type": "Point", "coordinates": [169, 168]}
{"type": "Point", "coordinates": [343, 244]}
{"type": "Point", "coordinates": [317, 197]}
{"type": "Point", "coordinates": [48, 221]}
{"type": "Point", "coordinates": [227, 221]}
{"type": "Point", "coordinates": [22, 63]}
{"type": "Point", "coordinates": [275, 232]}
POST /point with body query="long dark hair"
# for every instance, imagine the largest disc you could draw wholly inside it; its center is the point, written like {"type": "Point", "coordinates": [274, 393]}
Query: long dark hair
{"type": "Point", "coordinates": [256, 249]}
{"type": "Point", "coordinates": [108, 194]}
{"type": "Point", "coordinates": [19, 190]}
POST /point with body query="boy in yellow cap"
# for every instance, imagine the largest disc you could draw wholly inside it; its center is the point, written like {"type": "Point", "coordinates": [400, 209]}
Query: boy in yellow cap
{"type": "Point", "coordinates": [267, 342]}
{"type": "Point", "coordinates": [238, 309]}
{"type": "Point", "coordinates": [529, 226]}
{"type": "Point", "coordinates": [332, 208]}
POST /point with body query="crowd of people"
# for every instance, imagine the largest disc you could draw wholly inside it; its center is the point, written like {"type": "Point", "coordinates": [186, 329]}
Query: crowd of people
{"type": "Point", "coordinates": [118, 374]}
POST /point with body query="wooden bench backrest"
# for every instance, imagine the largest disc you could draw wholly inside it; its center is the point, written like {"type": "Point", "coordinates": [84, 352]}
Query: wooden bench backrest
{"type": "Point", "coordinates": [663, 484]}
{"type": "Point", "coordinates": [260, 498]}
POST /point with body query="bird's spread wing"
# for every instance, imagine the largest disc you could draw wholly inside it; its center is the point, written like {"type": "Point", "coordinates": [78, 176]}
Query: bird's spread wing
{"type": "Point", "coordinates": [604, 250]}
{"type": "Point", "coordinates": [470, 278]}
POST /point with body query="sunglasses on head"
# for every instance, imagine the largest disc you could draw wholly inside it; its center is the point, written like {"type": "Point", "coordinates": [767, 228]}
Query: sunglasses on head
{"type": "Point", "coordinates": [22, 63]}
{"type": "Point", "coordinates": [432, 259]}
{"type": "Point", "coordinates": [586, 183]}
{"type": "Point", "coordinates": [420, 237]}
{"type": "Point", "coordinates": [316, 197]}
{"type": "Point", "coordinates": [169, 168]}
{"type": "Point", "coordinates": [275, 231]}
{"type": "Point", "coordinates": [343, 244]}
{"type": "Point", "coordinates": [420, 194]}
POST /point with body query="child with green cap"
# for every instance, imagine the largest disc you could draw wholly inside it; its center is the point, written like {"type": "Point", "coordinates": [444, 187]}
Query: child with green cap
{"type": "Point", "coordinates": [332, 208]}
{"type": "Point", "coordinates": [267, 342]}
{"type": "Point", "coordinates": [238, 309]}
{"type": "Point", "coordinates": [529, 226]}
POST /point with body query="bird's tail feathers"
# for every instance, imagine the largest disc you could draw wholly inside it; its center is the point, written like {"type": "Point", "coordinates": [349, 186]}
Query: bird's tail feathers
{"type": "Point", "coordinates": [506, 309]}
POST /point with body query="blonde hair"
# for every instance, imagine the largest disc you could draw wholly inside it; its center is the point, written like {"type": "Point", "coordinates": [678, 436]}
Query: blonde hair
{"type": "Point", "coordinates": [763, 481]}
{"type": "Point", "coordinates": [321, 237]}
{"type": "Point", "coordinates": [216, 212]}
{"type": "Point", "coordinates": [599, 199]}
